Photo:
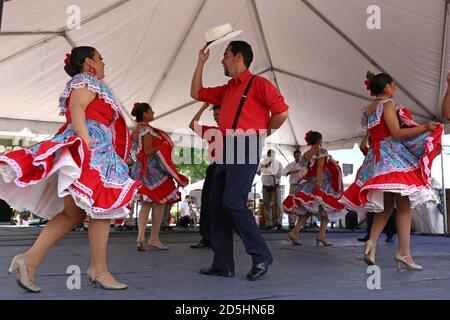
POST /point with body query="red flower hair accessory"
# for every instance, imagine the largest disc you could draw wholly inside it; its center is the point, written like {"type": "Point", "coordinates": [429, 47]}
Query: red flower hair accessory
{"type": "Point", "coordinates": [369, 76]}
{"type": "Point", "coordinates": [67, 59]}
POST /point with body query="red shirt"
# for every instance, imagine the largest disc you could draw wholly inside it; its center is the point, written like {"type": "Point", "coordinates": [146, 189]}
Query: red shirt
{"type": "Point", "coordinates": [207, 133]}
{"type": "Point", "coordinates": [263, 99]}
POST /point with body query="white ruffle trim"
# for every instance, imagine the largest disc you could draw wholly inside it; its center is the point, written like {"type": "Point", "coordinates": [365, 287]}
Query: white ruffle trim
{"type": "Point", "coordinates": [417, 198]}
{"type": "Point", "coordinates": [93, 84]}
{"type": "Point", "coordinates": [319, 211]}
{"type": "Point", "coordinates": [318, 208]}
{"type": "Point", "coordinates": [45, 199]}
{"type": "Point", "coordinates": [171, 196]}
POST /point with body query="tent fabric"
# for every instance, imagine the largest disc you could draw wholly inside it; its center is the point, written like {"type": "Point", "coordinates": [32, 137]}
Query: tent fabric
{"type": "Point", "coordinates": [316, 51]}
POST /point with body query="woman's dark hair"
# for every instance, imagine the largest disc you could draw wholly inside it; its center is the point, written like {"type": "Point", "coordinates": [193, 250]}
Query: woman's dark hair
{"type": "Point", "coordinates": [216, 107]}
{"type": "Point", "coordinates": [77, 57]}
{"type": "Point", "coordinates": [312, 137]}
{"type": "Point", "coordinates": [297, 151]}
{"type": "Point", "coordinates": [243, 48]}
{"type": "Point", "coordinates": [139, 109]}
{"type": "Point", "coordinates": [379, 82]}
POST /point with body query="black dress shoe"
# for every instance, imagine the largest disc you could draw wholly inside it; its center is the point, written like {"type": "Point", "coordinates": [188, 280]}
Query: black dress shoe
{"type": "Point", "coordinates": [389, 239]}
{"type": "Point", "coordinates": [259, 269]}
{"type": "Point", "coordinates": [211, 271]}
{"type": "Point", "coordinates": [279, 227]}
{"type": "Point", "coordinates": [201, 245]}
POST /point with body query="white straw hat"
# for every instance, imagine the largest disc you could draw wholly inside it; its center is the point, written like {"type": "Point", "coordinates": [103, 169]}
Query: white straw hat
{"type": "Point", "coordinates": [220, 34]}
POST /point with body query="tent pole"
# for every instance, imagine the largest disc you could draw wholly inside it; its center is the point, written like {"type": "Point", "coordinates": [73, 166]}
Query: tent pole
{"type": "Point", "coordinates": [322, 84]}
{"type": "Point", "coordinates": [177, 52]}
{"type": "Point", "coordinates": [439, 116]}
{"type": "Point", "coordinates": [282, 153]}
{"type": "Point", "coordinates": [444, 191]}
{"type": "Point", "coordinates": [28, 48]}
{"type": "Point", "coordinates": [443, 60]}
{"type": "Point", "coordinates": [69, 40]}
{"type": "Point", "coordinates": [266, 48]}
{"type": "Point", "coordinates": [62, 32]}
{"type": "Point", "coordinates": [365, 55]}
{"type": "Point", "coordinates": [1, 13]}
{"type": "Point", "coordinates": [30, 33]}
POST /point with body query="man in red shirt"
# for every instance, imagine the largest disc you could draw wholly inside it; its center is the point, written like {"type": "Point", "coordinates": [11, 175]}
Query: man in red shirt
{"type": "Point", "coordinates": [250, 107]}
{"type": "Point", "coordinates": [208, 133]}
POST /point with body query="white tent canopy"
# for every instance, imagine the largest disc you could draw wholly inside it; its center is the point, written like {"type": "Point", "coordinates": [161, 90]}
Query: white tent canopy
{"type": "Point", "coordinates": [316, 51]}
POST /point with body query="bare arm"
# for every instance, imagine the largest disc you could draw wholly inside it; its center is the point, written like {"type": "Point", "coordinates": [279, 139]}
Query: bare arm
{"type": "Point", "coordinates": [446, 102]}
{"type": "Point", "coordinates": [390, 116]}
{"type": "Point", "coordinates": [291, 172]}
{"type": "Point", "coordinates": [148, 149]}
{"type": "Point", "coordinates": [319, 182]}
{"type": "Point", "coordinates": [320, 162]}
{"type": "Point", "coordinates": [276, 121]}
{"type": "Point", "coordinates": [364, 142]}
{"type": "Point", "coordinates": [196, 118]}
{"type": "Point", "coordinates": [79, 100]}
{"type": "Point", "coordinates": [136, 133]}
{"type": "Point", "coordinates": [197, 78]}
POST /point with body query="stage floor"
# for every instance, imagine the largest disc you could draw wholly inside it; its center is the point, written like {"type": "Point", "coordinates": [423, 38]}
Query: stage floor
{"type": "Point", "coordinates": [300, 272]}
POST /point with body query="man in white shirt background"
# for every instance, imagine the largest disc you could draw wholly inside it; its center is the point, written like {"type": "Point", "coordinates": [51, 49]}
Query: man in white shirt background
{"type": "Point", "coordinates": [270, 170]}
{"type": "Point", "coordinates": [295, 172]}
{"type": "Point", "coordinates": [185, 212]}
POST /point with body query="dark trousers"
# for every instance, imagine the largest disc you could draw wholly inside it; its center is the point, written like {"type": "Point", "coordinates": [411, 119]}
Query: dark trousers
{"type": "Point", "coordinates": [228, 204]}
{"type": "Point", "coordinates": [205, 213]}
{"type": "Point", "coordinates": [390, 229]}
{"type": "Point", "coordinates": [184, 221]}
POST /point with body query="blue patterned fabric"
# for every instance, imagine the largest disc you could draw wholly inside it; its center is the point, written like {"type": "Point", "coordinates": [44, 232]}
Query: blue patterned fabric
{"type": "Point", "coordinates": [157, 172]}
{"type": "Point", "coordinates": [307, 185]}
{"type": "Point", "coordinates": [395, 155]}
{"type": "Point", "coordinates": [111, 167]}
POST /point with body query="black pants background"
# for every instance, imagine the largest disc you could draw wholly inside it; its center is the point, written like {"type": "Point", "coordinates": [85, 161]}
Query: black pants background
{"type": "Point", "coordinates": [205, 213]}
{"type": "Point", "coordinates": [184, 221]}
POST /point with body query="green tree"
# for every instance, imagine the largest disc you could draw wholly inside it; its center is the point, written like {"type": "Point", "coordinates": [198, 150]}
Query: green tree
{"type": "Point", "coordinates": [194, 164]}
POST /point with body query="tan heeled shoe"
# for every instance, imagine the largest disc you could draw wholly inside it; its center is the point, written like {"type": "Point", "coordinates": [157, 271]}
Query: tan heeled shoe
{"type": "Point", "coordinates": [293, 239]}
{"type": "Point", "coordinates": [410, 266]}
{"type": "Point", "coordinates": [141, 246]}
{"type": "Point", "coordinates": [19, 265]}
{"type": "Point", "coordinates": [157, 245]}
{"type": "Point", "coordinates": [369, 253]}
{"type": "Point", "coordinates": [105, 286]}
{"type": "Point", "coordinates": [324, 242]}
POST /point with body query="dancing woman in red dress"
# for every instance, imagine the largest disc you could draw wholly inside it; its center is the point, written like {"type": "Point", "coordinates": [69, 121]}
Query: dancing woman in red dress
{"type": "Point", "coordinates": [396, 170]}
{"type": "Point", "coordinates": [318, 192]}
{"type": "Point", "coordinates": [79, 173]}
{"type": "Point", "coordinates": [153, 166]}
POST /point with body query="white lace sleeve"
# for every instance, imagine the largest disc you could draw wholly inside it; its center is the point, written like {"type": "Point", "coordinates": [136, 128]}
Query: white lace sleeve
{"type": "Point", "coordinates": [136, 146]}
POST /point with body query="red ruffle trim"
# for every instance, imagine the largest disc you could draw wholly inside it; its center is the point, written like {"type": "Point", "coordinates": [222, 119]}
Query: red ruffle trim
{"type": "Point", "coordinates": [99, 196]}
